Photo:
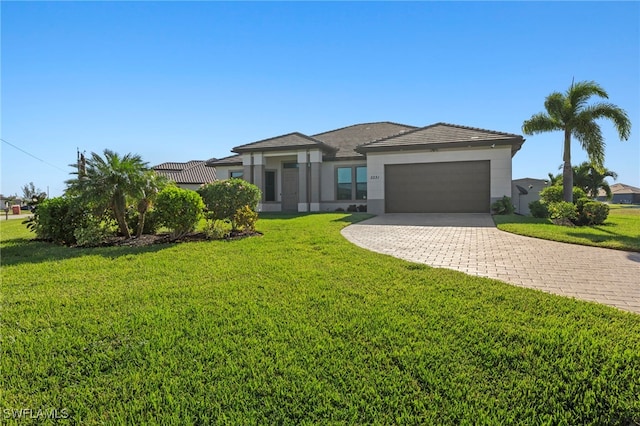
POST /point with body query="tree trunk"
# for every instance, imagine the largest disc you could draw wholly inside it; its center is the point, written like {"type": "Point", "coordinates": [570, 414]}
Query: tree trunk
{"type": "Point", "coordinates": [119, 213]}
{"type": "Point", "coordinates": [140, 224]}
{"type": "Point", "coordinates": [143, 206]}
{"type": "Point", "coordinates": [567, 171]}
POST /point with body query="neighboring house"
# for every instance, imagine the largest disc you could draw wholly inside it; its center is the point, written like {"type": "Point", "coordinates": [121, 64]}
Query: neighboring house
{"type": "Point", "coordinates": [622, 194]}
{"type": "Point", "coordinates": [189, 175]}
{"type": "Point", "coordinates": [524, 191]}
{"type": "Point", "coordinates": [388, 167]}
{"type": "Point", "coordinates": [11, 200]}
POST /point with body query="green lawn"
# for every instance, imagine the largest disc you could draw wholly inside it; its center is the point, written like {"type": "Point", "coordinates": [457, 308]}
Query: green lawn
{"type": "Point", "coordinates": [620, 231]}
{"type": "Point", "coordinates": [298, 327]}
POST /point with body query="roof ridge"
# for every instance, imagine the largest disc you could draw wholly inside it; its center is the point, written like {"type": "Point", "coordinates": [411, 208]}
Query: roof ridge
{"type": "Point", "coordinates": [209, 162]}
{"type": "Point", "coordinates": [408, 132]}
{"type": "Point", "coordinates": [625, 185]}
{"type": "Point", "coordinates": [362, 124]}
{"type": "Point", "coordinates": [318, 142]}
{"type": "Point", "coordinates": [195, 164]}
{"type": "Point", "coordinates": [280, 136]}
{"type": "Point", "coordinates": [495, 132]}
{"type": "Point", "coordinates": [439, 123]}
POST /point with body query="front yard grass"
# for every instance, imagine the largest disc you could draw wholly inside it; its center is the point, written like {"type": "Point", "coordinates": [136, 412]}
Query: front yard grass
{"type": "Point", "coordinates": [620, 231]}
{"type": "Point", "coordinates": [298, 327]}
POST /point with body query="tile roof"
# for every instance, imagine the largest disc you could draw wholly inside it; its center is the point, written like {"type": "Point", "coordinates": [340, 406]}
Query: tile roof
{"type": "Point", "coordinates": [346, 139]}
{"type": "Point", "coordinates": [620, 188]}
{"type": "Point", "coordinates": [443, 135]}
{"type": "Point", "coordinates": [232, 160]}
{"type": "Point", "coordinates": [175, 166]}
{"type": "Point", "coordinates": [356, 140]}
{"type": "Point", "coordinates": [191, 172]}
{"type": "Point", "coordinates": [289, 141]}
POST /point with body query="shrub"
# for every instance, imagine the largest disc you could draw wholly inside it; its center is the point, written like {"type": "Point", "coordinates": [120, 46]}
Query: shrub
{"type": "Point", "coordinates": [352, 208]}
{"type": "Point", "coordinates": [179, 210]}
{"type": "Point", "coordinates": [592, 212]}
{"type": "Point", "coordinates": [553, 194]}
{"type": "Point", "coordinates": [562, 212]}
{"type": "Point", "coordinates": [56, 219]}
{"type": "Point", "coordinates": [215, 230]}
{"type": "Point", "coordinates": [538, 209]}
{"type": "Point", "coordinates": [503, 206]}
{"type": "Point", "coordinates": [223, 198]}
{"type": "Point", "coordinates": [92, 234]}
{"type": "Point", "coordinates": [362, 208]}
{"type": "Point", "coordinates": [245, 219]}
{"type": "Point", "coordinates": [151, 224]}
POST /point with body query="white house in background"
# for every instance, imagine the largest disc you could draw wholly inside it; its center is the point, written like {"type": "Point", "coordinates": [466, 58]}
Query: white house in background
{"type": "Point", "coordinates": [388, 167]}
{"type": "Point", "coordinates": [524, 191]}
{"type": "Point", "coordinates": [189, 175]}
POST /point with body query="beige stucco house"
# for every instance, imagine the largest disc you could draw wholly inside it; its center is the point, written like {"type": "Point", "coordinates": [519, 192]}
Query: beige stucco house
{"type": "Point", "coordinates": [388, 167]}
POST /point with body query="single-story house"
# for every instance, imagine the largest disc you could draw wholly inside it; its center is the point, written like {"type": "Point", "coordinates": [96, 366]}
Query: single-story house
{"type": "Point", "coordinates": [524, 191]}
{"type": "Point", "coordinates": [622, 194]}
{"type": "Point", "coordinates": [388, 167]}
{"type": "Point", "coordinates": [189, 175]}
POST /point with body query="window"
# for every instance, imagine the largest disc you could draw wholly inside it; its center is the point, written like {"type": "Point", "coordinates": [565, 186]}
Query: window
{"type": "Point", "coordinates": [346, 176]}
{"type": "Point", "coordinates": [236, 174]}
{"type": "Point", "coordinates": [269, 185]}
{"type": "Point", "coordinates": [344, 183]}
{"type": "Point", "coordinates": [361, 183]}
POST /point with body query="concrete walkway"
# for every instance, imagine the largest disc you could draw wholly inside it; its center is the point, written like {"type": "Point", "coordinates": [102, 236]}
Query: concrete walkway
{"type": "Point", "coordinates": [472, 244]}
{"type": "Point", "coordinates": [10, 216]}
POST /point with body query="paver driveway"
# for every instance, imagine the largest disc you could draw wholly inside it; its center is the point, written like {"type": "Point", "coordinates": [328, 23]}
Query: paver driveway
{"type": "Point", "coordinates": [472, 244]}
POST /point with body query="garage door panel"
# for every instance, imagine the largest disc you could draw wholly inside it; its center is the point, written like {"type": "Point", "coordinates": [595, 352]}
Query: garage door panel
{"type": "Point", "coordinates": [462, 187]}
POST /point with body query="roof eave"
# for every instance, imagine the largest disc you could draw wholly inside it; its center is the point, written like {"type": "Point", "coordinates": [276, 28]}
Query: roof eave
{"type": "Point", "coordinates": [513, 142]}
{"type": "Point", "coordinates": [323, 147]}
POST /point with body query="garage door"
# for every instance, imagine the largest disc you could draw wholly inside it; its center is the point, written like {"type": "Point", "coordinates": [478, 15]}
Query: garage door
{"type": "Point", "coordinates": [455, 187]}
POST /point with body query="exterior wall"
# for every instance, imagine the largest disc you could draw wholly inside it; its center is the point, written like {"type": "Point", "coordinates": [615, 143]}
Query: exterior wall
{"type": "Point", "coordinates": [328, 185]}
{"type": "Point", "coordinates": [533, 188]}
{"type": "Point", "coordinates": [499, 157]}
{"type": "Point", "coordinates": [309, 177]}
{"type": "Point", "coordinates": [223, 172]}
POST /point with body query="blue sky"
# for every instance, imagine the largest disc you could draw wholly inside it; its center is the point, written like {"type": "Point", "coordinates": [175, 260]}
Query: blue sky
{"type": "Point", "coordinates": [176, 81]}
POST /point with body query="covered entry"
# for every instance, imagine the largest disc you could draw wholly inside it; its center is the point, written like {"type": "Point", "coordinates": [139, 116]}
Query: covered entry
{"type": "Point", "coordinates": [448, 187]}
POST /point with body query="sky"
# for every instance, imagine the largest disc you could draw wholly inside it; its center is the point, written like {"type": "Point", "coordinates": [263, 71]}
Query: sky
{"type": "Point", "coordinates": [180, 81]}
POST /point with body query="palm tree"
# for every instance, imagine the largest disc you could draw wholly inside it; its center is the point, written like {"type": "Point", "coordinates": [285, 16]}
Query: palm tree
{"type": "Point", "coordinates": [571, 114]}
{"type": "Point", "coordinates": [150, 184]}
{"type": "Point", "coordinates": [554, 179]}
{"type": "Point", "coordinates": [590, 179]}
{"type": "Point", "coordinates": [107, 182]}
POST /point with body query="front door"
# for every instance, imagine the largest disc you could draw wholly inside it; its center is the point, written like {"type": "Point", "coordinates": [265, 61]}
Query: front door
{"type": "Point", "coordinates": [290, 187]}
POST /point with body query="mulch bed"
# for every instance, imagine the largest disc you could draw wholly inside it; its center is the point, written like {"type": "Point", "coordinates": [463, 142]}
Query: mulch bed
{"type": "Point", "coordinates": [147, 240]}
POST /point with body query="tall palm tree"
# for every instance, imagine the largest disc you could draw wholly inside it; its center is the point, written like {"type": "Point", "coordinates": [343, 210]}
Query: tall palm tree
{"type": "Point", "coordinates": [592, 180]}
{"type": "Point", "coordinates": [107, 182]}
{"type": "Point", "coordinates": [571, 114]}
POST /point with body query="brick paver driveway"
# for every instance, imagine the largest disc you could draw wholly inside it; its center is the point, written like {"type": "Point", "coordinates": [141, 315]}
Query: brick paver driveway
{"type": "Point", "coordinates": [472, 244]}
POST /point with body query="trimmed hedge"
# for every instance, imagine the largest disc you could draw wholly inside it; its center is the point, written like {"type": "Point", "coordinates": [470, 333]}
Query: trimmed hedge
{"type": "Point", "coordinates": [554, 194]}
{"type": "Point", "coordinates": [224, 198]}
{"type": "Point", "coordinates": [178, 209]}
{"type": "Point", "coordinates": [56, 219]}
